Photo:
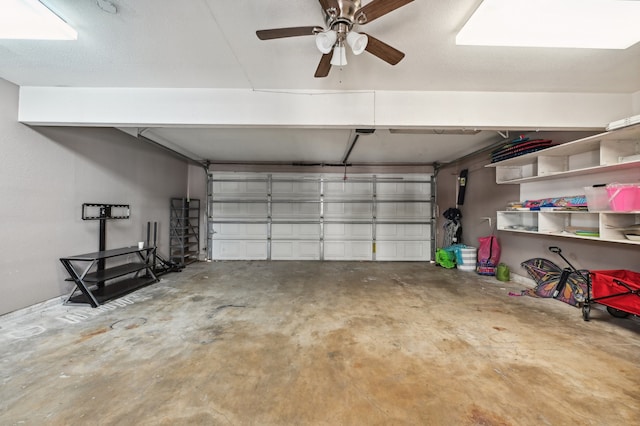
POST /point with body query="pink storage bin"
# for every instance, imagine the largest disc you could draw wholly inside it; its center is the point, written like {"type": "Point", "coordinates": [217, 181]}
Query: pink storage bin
{"type": "Point", "coordinates": [624, 197]}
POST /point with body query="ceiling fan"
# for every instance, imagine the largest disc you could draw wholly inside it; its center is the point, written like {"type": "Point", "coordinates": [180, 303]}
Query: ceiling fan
{"type": "Point", "coordinates": [340, 18]}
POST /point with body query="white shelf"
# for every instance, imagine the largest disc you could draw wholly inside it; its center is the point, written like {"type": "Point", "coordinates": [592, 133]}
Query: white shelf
{"type": "Point", "coordinates": [577, 172]}
{"type": "Point", "coordinates": [604, 152]}
{"type": "Point", "coordinates": [610, 225]}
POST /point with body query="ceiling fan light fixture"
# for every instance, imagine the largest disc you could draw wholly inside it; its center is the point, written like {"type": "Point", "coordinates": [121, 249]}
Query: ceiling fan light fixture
{"type": "Point", "coordinates": [358, 42]}
{"type": "Point", "coordinates": [325, 41]}
{"type": "Point", "coordinates": [339, 57]}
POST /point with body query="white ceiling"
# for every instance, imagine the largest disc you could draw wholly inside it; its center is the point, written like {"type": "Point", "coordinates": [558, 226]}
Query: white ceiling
{"type": "Point", "coordinates": [212, 44]}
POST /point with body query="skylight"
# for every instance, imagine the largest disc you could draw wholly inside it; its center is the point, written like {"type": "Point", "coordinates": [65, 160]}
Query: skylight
{"type": "Point", "coordinates": [595, 24]}
{"type": "Point", "coordinates": [31, 20]}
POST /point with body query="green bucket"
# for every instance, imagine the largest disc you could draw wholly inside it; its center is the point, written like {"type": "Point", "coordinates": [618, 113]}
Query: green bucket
{"type": "Point", "coordinates": [502, 272]}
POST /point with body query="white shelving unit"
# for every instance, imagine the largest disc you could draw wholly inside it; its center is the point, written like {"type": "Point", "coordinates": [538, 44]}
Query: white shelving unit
{"type": "Point", "coordinates": [565, 170]}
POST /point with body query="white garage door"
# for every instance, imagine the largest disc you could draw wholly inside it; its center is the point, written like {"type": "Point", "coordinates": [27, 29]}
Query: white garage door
{"type": "Point", "coordinates": [320, 217]}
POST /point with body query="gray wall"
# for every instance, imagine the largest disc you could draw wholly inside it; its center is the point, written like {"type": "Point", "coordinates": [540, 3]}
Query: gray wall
{"type": "Point", "coordinates": [47, 173]}
{"type": "Point", "coordinates": [484, 197]}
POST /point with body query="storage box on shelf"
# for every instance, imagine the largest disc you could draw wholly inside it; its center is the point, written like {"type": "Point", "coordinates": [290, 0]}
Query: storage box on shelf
{"type": "Point", "coordinates": [597, 198]}
{"type": "Point", "coordinates": [572, 166]}
{"type": "Point", "coordinates": [624, 197]}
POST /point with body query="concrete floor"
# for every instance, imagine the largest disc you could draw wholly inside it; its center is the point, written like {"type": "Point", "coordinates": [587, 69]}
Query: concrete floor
{"type": "Point", "coordinates": [334, 343]}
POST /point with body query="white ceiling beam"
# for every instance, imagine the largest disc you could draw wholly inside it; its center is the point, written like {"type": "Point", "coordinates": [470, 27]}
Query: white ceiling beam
{"type": "Point", "coordinates": [136, 107]}
{"type": "Point", "coordinates": [501, 110]}
{"type": "Point", "coordinates": [125, 107]}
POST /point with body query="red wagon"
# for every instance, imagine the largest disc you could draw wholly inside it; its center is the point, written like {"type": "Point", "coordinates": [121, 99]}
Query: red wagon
{"type": "Point", "coordinates": [618, 290]}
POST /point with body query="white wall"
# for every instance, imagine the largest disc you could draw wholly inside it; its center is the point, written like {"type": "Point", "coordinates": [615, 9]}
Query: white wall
{"type": "Point", "coordinates": [47, 173]}
{"type": "Point", "coordinates": [635, 102]}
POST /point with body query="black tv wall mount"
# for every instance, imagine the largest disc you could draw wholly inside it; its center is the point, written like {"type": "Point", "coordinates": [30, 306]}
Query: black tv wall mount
{"type": "Point", "coordinates": [100, 211]}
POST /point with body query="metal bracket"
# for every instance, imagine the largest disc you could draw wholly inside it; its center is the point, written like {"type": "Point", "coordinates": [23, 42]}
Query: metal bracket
{"type": "Point", "coordinates": [99, 211]}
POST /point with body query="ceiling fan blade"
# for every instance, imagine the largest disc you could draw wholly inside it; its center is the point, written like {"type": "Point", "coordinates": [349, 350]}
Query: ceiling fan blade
{"type": "Point", "coordinates": [326, 4]}
{"type": "Point", "coordinates": [287, 32]}
{"type": "Point", "coordinates": [378, 8]}
{"type": "Point", "coordinates": [383, 51]}
{"type": "Point", "coordinates": [324, 66]}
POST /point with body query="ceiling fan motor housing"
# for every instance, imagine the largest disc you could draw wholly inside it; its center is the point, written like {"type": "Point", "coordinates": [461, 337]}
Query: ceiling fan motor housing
{"type": "Point", "coordinates": [344, 16]}
{"type": "Point", "coordinates": [348, 8]}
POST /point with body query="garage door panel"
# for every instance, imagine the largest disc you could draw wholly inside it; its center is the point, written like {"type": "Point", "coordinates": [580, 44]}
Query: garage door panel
{"type": "Point", "coordinates": [295, 250]}
{"type": "Point", "coordinates": [348, 211]}
{"type": "Point", "coordinates": [348, 190]}
{"type": "Point", "coordinates": [391, 232]}
{"type": "Point", "coordinates": [303, 189]}
{"type": "Point", "coordinates": [289, 231]}
{"type": "Point", "coordinates": [296, 210]}
{"type": "Point", "coordinates": [239, 250]}
{"type": "Point", "coordinates": [347, 250]}
{"type": "Point", "coordinates": [350, 231]}
{"type": "Point", "coordinates": [239, 210]}
{"type": "Point", "coordinates": [403, 251]}
{"type": "Point", "coordinates": [247, 189]}
{"type": "Point", "coordinates": [391, 211]}
{"type": "Point", "coordinates": [256, 188]}
{"type": "Point", "coordinates": [404, 190]}
{"type": "Point", "coordinates": [239, 231]}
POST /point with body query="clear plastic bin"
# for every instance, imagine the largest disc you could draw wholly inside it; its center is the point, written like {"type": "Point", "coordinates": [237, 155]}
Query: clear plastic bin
{"type": "Point", "coordinates": [597, 198]}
